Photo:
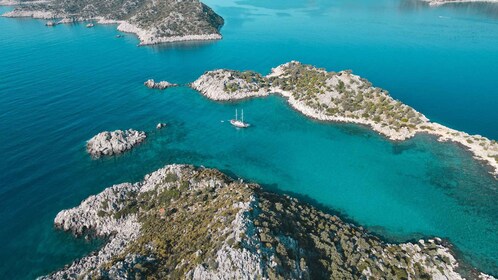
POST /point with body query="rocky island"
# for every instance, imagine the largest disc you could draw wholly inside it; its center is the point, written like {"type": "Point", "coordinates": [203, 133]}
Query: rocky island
{"type": "Point", "coordinates": [339, 97]}
{"type": "Point", "coordinates": [115, 142]}
{"type": "Point", "coordinates": [152, 21]}
{"type": "Point", "coordinates": [183, 222]}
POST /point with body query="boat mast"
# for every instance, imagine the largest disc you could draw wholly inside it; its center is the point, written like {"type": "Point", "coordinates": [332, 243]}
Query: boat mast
{"type": "Point", "coordinates": [242, 115]}
{"type": "Point", "coordinates": [235, 114]}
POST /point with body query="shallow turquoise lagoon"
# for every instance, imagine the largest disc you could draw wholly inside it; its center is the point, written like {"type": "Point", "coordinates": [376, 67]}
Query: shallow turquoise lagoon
{"type": "Point", "coordinates": [60, 86]}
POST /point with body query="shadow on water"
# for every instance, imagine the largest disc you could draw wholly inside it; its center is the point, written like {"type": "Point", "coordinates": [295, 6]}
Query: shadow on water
{"type": "Point", "coordinates": [353, 130]}
{"type": "Point", "coordinates": [377, 231]}
{"type": "Point", "coordinates": [465, 268]}
{"type": "Point", "coordinates": [399, 147]}
{"type": "Point", "coordinates": [186, 46]}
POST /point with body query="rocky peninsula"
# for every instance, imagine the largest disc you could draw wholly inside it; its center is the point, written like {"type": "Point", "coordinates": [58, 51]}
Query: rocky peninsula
{"type": "Point", "coordinates": [339, 97]}
{"type": "Point", "coordinates": [114, 142]}
{"type": "Point", "coordinates": [158, 85]}
{"type": "Point", "coordinates": [183, 222]}
{"type": "Point", "coordinates": [152, 21]}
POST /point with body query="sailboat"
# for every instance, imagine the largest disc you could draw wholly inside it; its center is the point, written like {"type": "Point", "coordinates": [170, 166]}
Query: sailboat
{"type": "Point", "coordinates": [239, 123]}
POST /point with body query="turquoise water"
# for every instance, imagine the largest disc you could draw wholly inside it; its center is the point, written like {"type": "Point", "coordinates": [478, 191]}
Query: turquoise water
{"type": "Point", "coordinates": [60, 86]}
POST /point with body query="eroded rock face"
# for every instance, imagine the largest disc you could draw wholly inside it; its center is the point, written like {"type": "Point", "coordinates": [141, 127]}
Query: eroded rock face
{"type": "Point", "coordinates": [197, 223]}
{"type": "Point", "coordinates": [159, 85]}
{"type": "Point", "coordinates": [114, 142]}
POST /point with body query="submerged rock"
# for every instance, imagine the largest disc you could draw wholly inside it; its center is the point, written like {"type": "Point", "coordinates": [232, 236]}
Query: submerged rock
{"type": "Point", "coordinates": [159, 85]}
{"type": "Point", "coordinates": [182, 222]}
{"type": "Point", "coordinates": [115, 142]}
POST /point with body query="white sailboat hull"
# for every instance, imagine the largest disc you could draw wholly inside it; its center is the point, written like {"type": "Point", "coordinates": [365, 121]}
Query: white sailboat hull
{"type": "Point", "coordinates": [239, 124]}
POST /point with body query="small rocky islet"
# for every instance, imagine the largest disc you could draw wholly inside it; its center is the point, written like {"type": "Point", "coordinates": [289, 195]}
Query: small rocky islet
{"type": "Point", "coordinates": [183, 222]}
{"type": "Point", "coordinates": [109, 143]}
{"type": "Point", "coordinates": [150, 83]}
{"type": "Point", "coordinates": [339, 97]}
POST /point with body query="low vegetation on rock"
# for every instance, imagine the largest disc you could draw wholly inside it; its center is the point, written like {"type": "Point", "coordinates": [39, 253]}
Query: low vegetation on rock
{"type": "Point", "coordinates": [153, 21]}
{"type": "Point", "coordinates": [183, 222]}
{"type": "Point", "coordinates": [339, 97]}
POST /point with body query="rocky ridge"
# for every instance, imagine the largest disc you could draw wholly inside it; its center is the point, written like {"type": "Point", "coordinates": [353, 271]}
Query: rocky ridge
{"type": "Point", "coordinates": [182, 222]}
{"type": "Point", "coordinates": [339, 97]}
{"type": "Point", "coordinates": [152, 21]}
{"type": "Point", "coordinates": [109, 143]}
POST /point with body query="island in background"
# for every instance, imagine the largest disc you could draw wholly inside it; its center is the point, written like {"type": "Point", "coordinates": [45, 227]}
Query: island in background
{"type": "Point", "coordinates": [152, 21]}
{"type": "Point", "coordinates": [443, 2]}
{"type": "Point", "coordinates": [339, 97]}
{"type": "Point", "coordinates": [183, 222]}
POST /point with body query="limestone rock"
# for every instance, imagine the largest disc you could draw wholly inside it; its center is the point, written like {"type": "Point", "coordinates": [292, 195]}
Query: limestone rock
{"type": "Point", "coordinates": [159, 85]}
{"type": "Point", "coordinates": [115, 142]}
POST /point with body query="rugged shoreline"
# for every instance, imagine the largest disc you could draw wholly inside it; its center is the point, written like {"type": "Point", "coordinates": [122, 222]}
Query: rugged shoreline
{"type": "Point", "coordinates": [188, 20]}
{"type": "Point", "coordinates": [340, 97]}
{"type": "Point", "coordinates": [197, 223]}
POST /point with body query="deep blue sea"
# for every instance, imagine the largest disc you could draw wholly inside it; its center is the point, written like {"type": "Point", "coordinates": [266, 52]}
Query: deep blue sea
{"type": "Point", "coordinates": [60, 86]}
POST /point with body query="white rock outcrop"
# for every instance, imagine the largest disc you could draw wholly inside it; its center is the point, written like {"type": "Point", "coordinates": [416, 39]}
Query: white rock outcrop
{"type": "Point", "coordinates": [114, 142]}
{"type": "Point", "coordinates": [158, 85]}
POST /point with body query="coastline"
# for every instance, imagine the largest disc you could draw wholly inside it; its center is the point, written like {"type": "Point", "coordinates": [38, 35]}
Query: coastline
{"type": "Point", "coordinates": [213, 85]}
{"type": "Point", "coordinates": [146, 37]}
{"type": "Point", "coordinates": [251, 232]}
{"type": "Point", "coordinates": [332, 135]}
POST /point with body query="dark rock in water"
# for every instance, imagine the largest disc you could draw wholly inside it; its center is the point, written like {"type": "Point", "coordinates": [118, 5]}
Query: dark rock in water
{"type": "Point", "coordinates": [50, 23]}
{"type": "Point", "coordinates": [160, 125]}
